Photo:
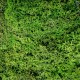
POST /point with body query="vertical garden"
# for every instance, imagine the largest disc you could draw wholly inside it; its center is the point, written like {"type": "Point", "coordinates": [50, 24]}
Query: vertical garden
{"type": "Point", "coordinates": [39, 40]}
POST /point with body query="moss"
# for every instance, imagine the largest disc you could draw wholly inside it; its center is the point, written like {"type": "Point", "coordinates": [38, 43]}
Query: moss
{"type": "Point", "coordinates": [39, 40]}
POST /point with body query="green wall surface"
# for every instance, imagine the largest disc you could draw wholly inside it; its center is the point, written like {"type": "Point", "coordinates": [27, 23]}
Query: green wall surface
{"type": "Point", "coordinates": [40, 40]}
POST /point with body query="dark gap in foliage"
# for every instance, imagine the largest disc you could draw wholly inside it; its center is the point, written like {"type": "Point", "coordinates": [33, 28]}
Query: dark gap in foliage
{"type": "Point", "coordinates": [18, 51]}
{"type": "Point", "coordinates": [73, 28]}
{"type": "Point", "coordinates": [29, 54]}
{"type": "Point", "coordinates": [15, 69]}
{"type": "Point", "coordinates": [0, 78]}
{"type": "Point", "coordinates": [33, 72]}
{"type": "Point", "coordinates": [64, 1]}
{"type": "Point", "coordinates": [70, 6]}
{"type": "Point", "coordinates": [19, 41]}
{"type": "Point", "coordinates": [48, 0]}
{"type": "Point", "coordinates": [49, 42]}
{"type": "Point", "coordinates": [42, 29]}
{"type": "Point", "coordinates": [45, 43]}
{"type": "Point", "coordinates": [60, 75]}
{"type": "Point", "coordinates": [79, 49]}
{"type": "Point", "coordinates": [66, 57]}
{"type": "Point", "coordinates": [77, 64]}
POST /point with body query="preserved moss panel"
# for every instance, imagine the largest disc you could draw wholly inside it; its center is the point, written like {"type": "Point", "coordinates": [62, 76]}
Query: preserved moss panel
{"type": "Point", "coordinates": [42, 40]}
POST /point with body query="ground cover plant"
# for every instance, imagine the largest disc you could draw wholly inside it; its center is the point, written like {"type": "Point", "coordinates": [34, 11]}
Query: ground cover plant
{"type": "Point", "coordinates": [39, 40]}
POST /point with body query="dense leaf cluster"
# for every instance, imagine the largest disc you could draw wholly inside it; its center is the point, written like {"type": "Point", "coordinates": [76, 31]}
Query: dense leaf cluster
{"type": "Point", "coordinates": [40, 40]}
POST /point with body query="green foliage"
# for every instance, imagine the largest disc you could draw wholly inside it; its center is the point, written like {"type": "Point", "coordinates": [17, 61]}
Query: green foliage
{"type": "Point", "coordinates": [40, 40]}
